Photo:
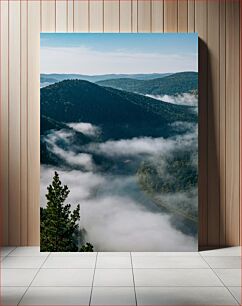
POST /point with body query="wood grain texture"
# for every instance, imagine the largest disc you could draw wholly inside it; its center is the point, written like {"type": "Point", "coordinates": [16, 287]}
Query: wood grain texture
{"type": "Point", "coordinates": [24, 124]}
{"type": "Point", "coordinates": [191, 16]}
{"type": "Point", "coordinates": [134, 16]}
{"type": "Point", "coordinates": [213, 124]}
{"type": "Point", "coordinates": [33, 123]}
{"type": "Point", "coordinates": [182, 15]}
{"type": "Point", "coordinates": [144, 16]}
{"type": "Point", "coordinates": [70, 15]}
{"type": "Point", "coordinates": [157, 16]}
{"type": "Point", "coordinates": [14, 121]}
{"type": "Point", "coordinates": [222, 121]}
{"type": "Point", "coordinates": [125, 16]}
{"type": "Point", "coordinates": [111, 16]}
{"type": "Point", "coordinates": [232, 122]}
{"type": "Point", "coordinates": [61, 16]}
{"type": "Point", "coordinates": [217, 24]}
{"type": "Point", "coordinates": [201, 28]}
{"type": "Point", "coordinates": [171, 15]}
{"type": "Point", "coordinates": [96, 16]}
{"type": "Point", "coordinates": [4, 133]}
{"type": "Point", "coordinates": [240, 183]}
{"type": "Point", "coordinates": [48, 16]}
{"type": "Point", "coordinates": [81, 16]}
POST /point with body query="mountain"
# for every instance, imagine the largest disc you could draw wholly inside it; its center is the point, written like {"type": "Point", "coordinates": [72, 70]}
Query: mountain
{"type": "Point", "coordinates": [120, 114]}
{"type": "Point", "coordinates": [174, 84]}
{"type": "Point", "coordinates": [47, 79]}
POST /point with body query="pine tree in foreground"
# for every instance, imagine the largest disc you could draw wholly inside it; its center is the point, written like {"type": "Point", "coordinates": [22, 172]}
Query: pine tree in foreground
{"type": "Point", "coordinates": [59, 228]}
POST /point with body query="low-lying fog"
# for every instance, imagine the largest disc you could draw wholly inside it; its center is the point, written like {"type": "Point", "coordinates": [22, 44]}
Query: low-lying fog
{"type": "Point", "coordinates": [116, 214]}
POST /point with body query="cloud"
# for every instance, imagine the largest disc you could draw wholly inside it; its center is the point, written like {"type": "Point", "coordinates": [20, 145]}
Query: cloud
{"type": "Point", "coordinates": [132, 147]}
{"type": "Point", "coordinates": [144, 145]}
{"type": "Point", "coordinates": [120, 224]}
{"type": "Point", "coordinates": [113, 219]}
{"type": "Point", "coordinates": [183, 126]}
{"type": "Point", "coordinates": [187, 99]}
{"type": "Point", "coordinates": [55, 141]}
{"type": "Point", "coordinates": [89, 61]}
{"type": "Point", "coordinates": [116, 214]}
{"type": "Point", "coordinates": [85, 128]}
{"type": "Point", "coordinates": [82, 184]}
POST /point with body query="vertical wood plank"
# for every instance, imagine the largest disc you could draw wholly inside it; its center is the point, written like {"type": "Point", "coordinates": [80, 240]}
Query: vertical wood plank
{"type": "Point", "coordinates": [213, 124]}
{"type": "Point", "coordinates": [48, 16]}
{"type": "Point", "coordinates": [4, 123]}
{"type": "Point", "coordinates": [81, 16]}
{"type": "Point", "coordinates": [144, 16]}
{"type": "Point", "coordinates": [14, 122]}
{"type": "Point", "coordinates": [222, 141]}
{"type": "Point", "coordinates": [61, 15]}
{"type": "Point", "coordinates": [201, 28]}
{"type": "Point", "coordinates": [24, 125]}
{"type": "Point", "coordinates": [182, 15]}
{"type": "Point", "coordinates": [125, 16]}
{"type": "Point", "coordinates": [157, 16]}
{"type": "Point", "coordinates": [70, 15]}
{"type": "Point", "coordinates": [33, 122]}
{"type": "Point", "coordinates": [171, 15]}
{"type": "Point", "coordinates": [96, 16]}
{"type": "Point", "coordinates": [232, 121]}
{"type": "Point", "coordinates": [240, 207]}
{"type": "Point", "coordinates": [111, 16]}
{"type": "Point", "coordinates": [134, 19]}
{"type": "Point", "coordinates": [191, 16]}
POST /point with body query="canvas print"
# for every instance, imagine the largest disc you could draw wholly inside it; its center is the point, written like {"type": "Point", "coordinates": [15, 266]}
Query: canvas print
{"type": "Point", "coordinates": [119, 142]}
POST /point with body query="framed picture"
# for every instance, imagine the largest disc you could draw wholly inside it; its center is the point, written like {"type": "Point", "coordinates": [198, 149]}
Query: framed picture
{"type": "Point", "coordinates": [119, 142]}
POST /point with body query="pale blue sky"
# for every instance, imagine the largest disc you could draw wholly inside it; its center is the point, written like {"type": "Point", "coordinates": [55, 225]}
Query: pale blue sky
{"type": "Point", "coordinates": [92, 53]}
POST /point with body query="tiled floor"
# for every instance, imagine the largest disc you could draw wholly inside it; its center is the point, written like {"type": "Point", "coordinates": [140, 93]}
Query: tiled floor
{"type": "Point", "coordinates": [29, 277]}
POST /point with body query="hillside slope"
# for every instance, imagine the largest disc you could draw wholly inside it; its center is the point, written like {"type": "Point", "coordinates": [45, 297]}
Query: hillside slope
{"type": "Point", "coordinates": [119, 113]}
{"type": "Point", "coordinates": [174, 84]}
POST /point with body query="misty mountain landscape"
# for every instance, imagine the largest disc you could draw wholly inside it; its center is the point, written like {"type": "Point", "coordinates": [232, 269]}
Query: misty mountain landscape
{"type": "Point", "coordinates": [126, 145]}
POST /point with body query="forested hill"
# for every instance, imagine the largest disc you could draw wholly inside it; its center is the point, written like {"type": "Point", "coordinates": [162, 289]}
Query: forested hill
{"type": "Point", "coordinates": [174, 84]}
{"type": "Point", "coordinates": [82, 101]}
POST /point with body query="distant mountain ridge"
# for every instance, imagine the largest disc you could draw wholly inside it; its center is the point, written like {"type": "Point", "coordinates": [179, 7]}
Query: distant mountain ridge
{"type": "Point", "coordinates": [175, 84]}
{"type": "Point", "coordinates": [56, 77]}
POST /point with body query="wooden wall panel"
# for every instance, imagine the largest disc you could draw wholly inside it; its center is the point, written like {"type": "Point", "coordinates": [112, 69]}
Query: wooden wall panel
{"type": "Point", "coordinates": [4, 136]}
{"type": "Point", "coordinates": [222, 121]}
{"type": "Point", "coordinates": [157, 13]}
{"type": "Point", "coordinates": [81, 16]}
{"type": "Point", "coordinates": [191, 16]}
{"type": "Point", "coordinates": [213, 123]}
{"type": "Point", "coordinates": [14, 121]}
{"type": "Point", "coordinates": [144, 16]}
{"type": "Point", "coordinates": [217, 23]}
{"type": "Point", "coordinates": [182, 15]}
{"type": "Point", "coordinates": [232, 121]}
{"type": "Point", "coordinates": [48, 16]}
{"type": "Point", "coordinates": [134, 16]}
{"type": "Point", "coordinates": [24, 123]}
{"type": "Point", "coordinates": [111, 16]}
{"type": "Point", "coordinates": [70, 15]}
{"type": "Point", "coordinates": [171, 15]}
{"type": "Point", "coordinates": [33, 122]}
{"type": "Point", "coordinates": [201, 28]}
{"type": "Point", "coordinates": [96, 16]}
{"type": "Point", "coordinates": [61, 15]}
{"type": "Point", "coordinates": [125, 16]}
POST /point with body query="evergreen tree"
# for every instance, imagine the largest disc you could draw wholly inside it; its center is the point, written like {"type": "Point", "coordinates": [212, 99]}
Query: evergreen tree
{"type": "Point", "coordinates": [59, 226]}
{"type": "Point", "coordinates": [86, 247]}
